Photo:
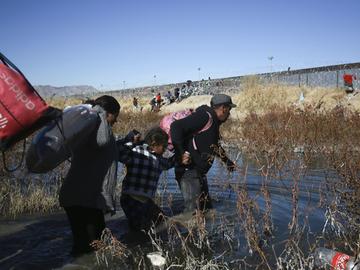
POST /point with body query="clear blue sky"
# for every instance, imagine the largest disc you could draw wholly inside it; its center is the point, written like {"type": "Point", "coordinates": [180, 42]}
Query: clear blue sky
{"type": "Point", "coordinates": [106, 42]}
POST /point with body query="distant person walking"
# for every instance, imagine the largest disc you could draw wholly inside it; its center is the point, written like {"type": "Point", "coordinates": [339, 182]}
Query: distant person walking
{"type": "Point", "coordinates": [153, 104]}
{"type": "Point", "coordinates": [202, 147]}
{"type": "Point", "coordinates": [188, 89]}
{"type": "Point", "coordinates": [348, 82]}
{"type": "Point", "coordinates": [176, 93]}
{"type": "Point", "coordinates": [159, 101]}
{"type": "Point", "coordinates": [169, 98]}
{"type": "Point", "coordinates": [135, 102]}
{"type": "Point", "coordinates": [136, 106]}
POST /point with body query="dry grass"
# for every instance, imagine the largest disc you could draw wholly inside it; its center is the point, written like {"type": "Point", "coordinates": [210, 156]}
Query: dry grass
{"type": "Point", "coordinates": [109, 250]}
{"type": "Point", "coordinates": [17, 197]}
{"type": "Point", "coordinates": [187, 246]}
{"type": "Point", "coordinates": [267, 126]}
{"type": "Point", "coordinates": [270, 139]}
{"type": "Point", "coordinates": [135, 120]}
{"type": "Point", "coordinates": [256, 97]}
{"type": "Point", "coordinates": [61, 103]}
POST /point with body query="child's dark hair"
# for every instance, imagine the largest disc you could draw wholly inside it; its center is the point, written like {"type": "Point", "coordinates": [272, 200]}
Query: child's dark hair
{"type": "Point", "coordinates": [108, 103]}
{"type": "Point", "coordinates": [156, 136]}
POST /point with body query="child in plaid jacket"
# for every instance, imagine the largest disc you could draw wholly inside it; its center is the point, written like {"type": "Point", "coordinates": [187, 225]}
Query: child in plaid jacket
{"type": "Point", "coordinates": [144, 165]}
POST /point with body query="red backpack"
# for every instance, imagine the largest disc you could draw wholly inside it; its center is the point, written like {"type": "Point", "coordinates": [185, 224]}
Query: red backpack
{"type": "Point", "coordinates": [167, 120]}
{"type": "Point", "coordinates": [22, 110]}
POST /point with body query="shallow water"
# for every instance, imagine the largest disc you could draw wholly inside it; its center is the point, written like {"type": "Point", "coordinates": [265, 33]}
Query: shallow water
{"type": "Point", "coordinates": [44, 242]}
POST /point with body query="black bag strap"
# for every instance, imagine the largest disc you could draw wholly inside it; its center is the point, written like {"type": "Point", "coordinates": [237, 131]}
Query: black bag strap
{"type": "Point", "coordinates": [7, 62]}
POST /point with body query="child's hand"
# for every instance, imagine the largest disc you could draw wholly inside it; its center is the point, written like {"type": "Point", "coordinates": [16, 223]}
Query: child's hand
{"type": "Point", "coordinates": [186, 159]}
{"type": "Point", "coordinates": [133, 136]}
{"type": "Point", "coordinates": [137, 136]}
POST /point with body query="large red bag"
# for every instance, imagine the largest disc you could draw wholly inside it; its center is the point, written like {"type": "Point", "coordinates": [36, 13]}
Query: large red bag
{"type": "Point", "coordinates": [22, 110]}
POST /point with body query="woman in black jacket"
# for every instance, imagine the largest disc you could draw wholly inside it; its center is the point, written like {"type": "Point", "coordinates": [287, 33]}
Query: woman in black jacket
{"type": "Point", "coordinates": [88, 191]}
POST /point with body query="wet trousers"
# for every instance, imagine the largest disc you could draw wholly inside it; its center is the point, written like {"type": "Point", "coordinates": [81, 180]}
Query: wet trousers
{"type": "Point", "coordinates": [194, 189]}
{"type": "Point", "coordinates": [86, 225]}
{"type": "Point", "coordinates": [141, 215]}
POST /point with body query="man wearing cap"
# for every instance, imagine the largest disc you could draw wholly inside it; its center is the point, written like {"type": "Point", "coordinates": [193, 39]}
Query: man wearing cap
{"type": "Point", "coordinates": [198, 135]}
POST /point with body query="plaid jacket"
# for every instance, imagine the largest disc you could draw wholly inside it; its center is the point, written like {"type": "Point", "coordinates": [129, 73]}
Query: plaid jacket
{"type": "Point", "coordinates": [143, 169]}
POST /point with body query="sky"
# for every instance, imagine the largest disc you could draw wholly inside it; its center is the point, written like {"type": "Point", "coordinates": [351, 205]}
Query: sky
{"type": "Point", "coordinates": [116, 44]}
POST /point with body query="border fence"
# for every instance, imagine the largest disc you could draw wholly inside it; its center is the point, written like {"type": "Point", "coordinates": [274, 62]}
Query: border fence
{"type": "Point", "coordinates": [325, 76]}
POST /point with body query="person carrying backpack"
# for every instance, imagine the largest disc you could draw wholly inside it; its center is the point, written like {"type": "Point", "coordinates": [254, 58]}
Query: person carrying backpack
{"type": "Point", "coordinates": [88, 190]}
{"type": "Point", "coordinates": [202, 148]}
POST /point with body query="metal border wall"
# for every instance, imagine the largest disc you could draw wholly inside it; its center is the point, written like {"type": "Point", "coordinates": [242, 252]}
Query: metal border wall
{"type": "Point", "coordinates": [326, 76]}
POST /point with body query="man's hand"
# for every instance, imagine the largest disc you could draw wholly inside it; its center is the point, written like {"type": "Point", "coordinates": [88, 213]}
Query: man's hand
{"type": "Point", "coordinates": [185, 158]}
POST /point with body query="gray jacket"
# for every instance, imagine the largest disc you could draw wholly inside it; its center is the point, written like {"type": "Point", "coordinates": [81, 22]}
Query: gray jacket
{"type": "Point", "coordinates": [91, 179]}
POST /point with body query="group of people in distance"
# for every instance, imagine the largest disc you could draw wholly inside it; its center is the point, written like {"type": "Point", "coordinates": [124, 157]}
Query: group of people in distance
{"type": "Point", "coordinates": [187, 90]}
{"type": "Point", "coordinates": [156, 103]}
{"type": "Point", "coordinates": [88, 190]}
{"type": "Point", "coordinates": [179, 94]}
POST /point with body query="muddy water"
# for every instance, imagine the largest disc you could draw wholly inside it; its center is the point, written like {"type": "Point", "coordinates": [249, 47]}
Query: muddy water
{"type": "Point", "coordinates": [44, 242]}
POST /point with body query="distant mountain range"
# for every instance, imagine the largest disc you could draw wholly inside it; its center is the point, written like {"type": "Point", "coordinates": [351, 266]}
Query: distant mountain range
{"type": "Point", "coordinates": [64, 91]}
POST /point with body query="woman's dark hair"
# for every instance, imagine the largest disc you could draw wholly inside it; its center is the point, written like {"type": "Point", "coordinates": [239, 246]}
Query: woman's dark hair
{"type": "Point", "coordinates": [108, 103]}
{"type": "Point", "coordinates": [156, 136]}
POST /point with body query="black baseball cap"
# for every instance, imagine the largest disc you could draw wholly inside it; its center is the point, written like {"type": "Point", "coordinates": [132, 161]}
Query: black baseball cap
{"type": "Point", "coordinates": [222, 99]}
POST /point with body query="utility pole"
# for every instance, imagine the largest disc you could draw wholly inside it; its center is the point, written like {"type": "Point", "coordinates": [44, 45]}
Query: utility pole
{"type": "Point", "coordinates": [199, 74]}
{"type": "Point", "coordinates": [271, 58]}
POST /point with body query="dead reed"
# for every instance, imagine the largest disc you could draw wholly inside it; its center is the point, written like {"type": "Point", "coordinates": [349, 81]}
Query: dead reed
{"type": "Point", "coordinates": [18, 197]}
{"type": "Point", "coordinates": [281, 142]}
{"type": "Point", "coordinates": [21, 192]}
{"type": "Point", "coordinates": [275, 140]}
